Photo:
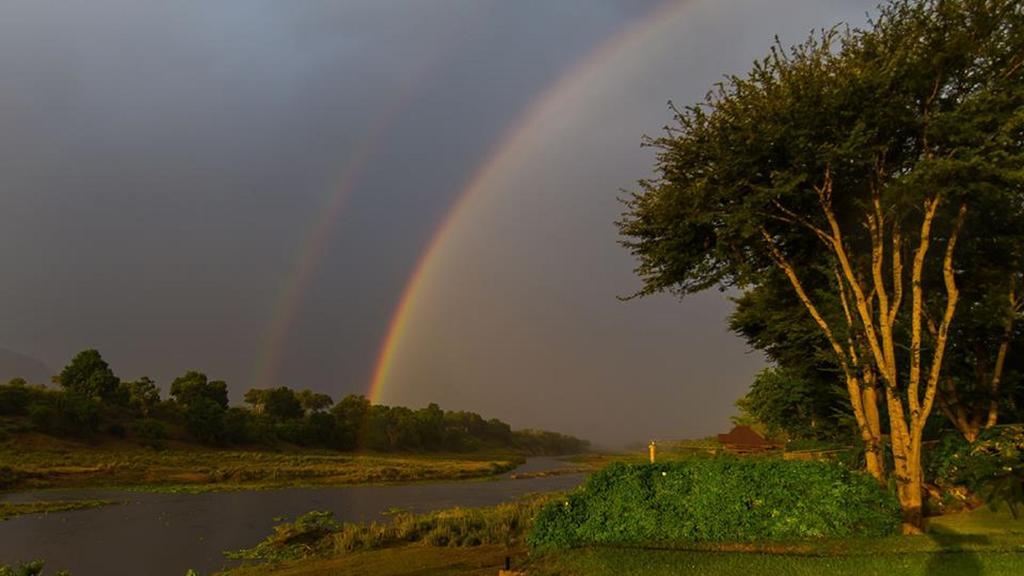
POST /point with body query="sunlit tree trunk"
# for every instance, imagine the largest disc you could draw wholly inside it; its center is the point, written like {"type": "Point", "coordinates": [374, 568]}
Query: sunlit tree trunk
{"type": "Point", "coordinates": [877, 305]}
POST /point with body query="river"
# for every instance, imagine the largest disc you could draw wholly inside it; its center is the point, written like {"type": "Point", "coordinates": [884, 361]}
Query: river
{"type": "Point", "coordinates": [156, 534]}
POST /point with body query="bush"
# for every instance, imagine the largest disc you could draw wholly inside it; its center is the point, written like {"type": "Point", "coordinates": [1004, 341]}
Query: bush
{"type": "Point", "coordinates": [992, 466]}
{"type": "Point", "coordinates": [237, 427]}
{"type": "Point", "coordinates": [204, 419]}
{"type": "Point", "coordinates": [719, 499]}
{"type": "Point", "coordinates": [151, 433]}
{"type": "Point", "coordinates": [14, 399]}
{"type": "Point", "coordinates": [65, 415]}
{"type": "Point", "coordinates": [28, 569]}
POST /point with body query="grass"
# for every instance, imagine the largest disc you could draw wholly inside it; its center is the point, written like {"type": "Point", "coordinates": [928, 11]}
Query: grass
{"type": "Point", "coordinates": [318, 535]}
{"type": "Point", "coordinates": [11, 509]}
{"type": "Point", "coordinates": [42, 462]}
{"type": "Point", "coordinates": [410, 560]}
{"type": "Point", "coordinates": [968, 544]}
{"type": "Point", "coordinates": [598, 562]}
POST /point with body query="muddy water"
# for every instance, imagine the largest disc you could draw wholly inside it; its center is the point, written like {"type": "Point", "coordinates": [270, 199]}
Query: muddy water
{"type": "Point", "coordinates": [166, 534]}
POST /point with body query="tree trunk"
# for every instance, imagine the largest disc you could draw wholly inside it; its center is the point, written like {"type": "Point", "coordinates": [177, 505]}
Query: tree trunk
{"type": "Point", "coordinates": [909, 489]}
{"type": "Point", "coordinates": [873, 454]}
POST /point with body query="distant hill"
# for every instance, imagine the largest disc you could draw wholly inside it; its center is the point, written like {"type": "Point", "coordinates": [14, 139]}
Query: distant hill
{"type": "Point", "coordinates": [16, 365]}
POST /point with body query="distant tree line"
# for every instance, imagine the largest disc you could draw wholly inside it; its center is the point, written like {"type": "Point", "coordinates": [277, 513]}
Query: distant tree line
{"type": "Point", "coordinates": [92, 400]}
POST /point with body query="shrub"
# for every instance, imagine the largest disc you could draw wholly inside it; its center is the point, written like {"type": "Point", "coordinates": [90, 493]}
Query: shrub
{"type": "Point", "coordinates": [719, 499]}
{"type": "Point", "coordinates": [204, 419]}
{"type": "Point", "coordinates": [151, 433]}
{"type": "Point", "coordinates": [65, 415]}
{"type": "Point", "coordinates": [237, 428]}
{"type": "Point", "coordinates": [28, 569]}
{"type": "Point", "coordinates": [14, 399]}
{"type": "Point", "coordinates": [992, 466]}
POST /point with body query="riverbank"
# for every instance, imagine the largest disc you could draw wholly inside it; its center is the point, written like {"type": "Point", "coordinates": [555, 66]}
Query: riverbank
{"type": "Point", "coordinates": [167, 532]}
{"type": "Point", "coordinates": [12, 509]}
{"type": "Point", "coordinates": [46, 463]}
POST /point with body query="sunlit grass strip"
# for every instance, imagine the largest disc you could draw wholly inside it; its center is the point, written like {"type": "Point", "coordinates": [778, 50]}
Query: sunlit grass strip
{"type": "Point", "coordinates": [205, 470]}
{"type": "Point", "coordinates": [11, 509]}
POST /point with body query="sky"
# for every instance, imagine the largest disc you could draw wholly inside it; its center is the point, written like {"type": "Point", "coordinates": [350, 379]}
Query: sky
{"type": "Point", "coordinates": [413, 200]}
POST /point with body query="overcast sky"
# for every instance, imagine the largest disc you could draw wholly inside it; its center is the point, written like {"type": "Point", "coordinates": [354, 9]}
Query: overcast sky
{"type": "Point", "coordinates": [163, 166]}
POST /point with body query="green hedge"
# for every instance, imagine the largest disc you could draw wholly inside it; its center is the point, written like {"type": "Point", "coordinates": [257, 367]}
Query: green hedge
{"type": "Point", "coordinates": [720, 499]}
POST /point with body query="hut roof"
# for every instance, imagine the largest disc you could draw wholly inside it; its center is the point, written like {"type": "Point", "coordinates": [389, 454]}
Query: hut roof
{"type": "Point", "coordinates": [743, 436]}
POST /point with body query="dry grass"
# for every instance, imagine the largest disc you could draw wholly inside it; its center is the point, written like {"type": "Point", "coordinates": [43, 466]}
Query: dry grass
{"type": "Point", "coordinates": [33, 463]}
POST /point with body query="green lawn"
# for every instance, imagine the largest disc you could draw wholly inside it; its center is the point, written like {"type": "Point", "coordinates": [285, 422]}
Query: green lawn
{"type": "Point", "coordinates": [976, 543]}
{"type": "Point", "coordinates": [624, 562]}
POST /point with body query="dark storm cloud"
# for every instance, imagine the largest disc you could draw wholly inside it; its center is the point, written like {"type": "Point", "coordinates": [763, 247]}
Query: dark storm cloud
{"type": "Point", "coordinates": [161, 165]}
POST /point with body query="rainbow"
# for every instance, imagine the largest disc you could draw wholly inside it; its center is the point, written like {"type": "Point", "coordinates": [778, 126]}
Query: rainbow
{"type": "Point", "coordinates": [316, 242]}
{"type": "Point", "coordinates": [513, 142]}
{"type": "Point", "coordinates": [313, 249]}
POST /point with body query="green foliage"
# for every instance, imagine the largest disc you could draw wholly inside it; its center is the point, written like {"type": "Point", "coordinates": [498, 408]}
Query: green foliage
{"type": "Point", "coordinates": [281, 414]}
{"type": "Point", "coordinates": [291, 540]}
{"type": "Point", "coordinates": [791, 406]}
{"type": "Point", "coordinates": [194, 385]}
{"type": "Point", "coordinates": [151, 433]}
{"type": "Point", "coordinates": [238, 426]}
{"type": "Point", "coordinates": [34, 568]}
{"type": "Point", "coordinates": [204, 419]}
{"type": "Point", "coordinates": [66, 415]}
{"type": "Point", "coordinates": [992, 466]}
{"type": "Point", "coordinates": [717, 499]}
{"type": "Point", "coordinates": [314, 401]}
{"type": "Point", "coordinates": [317, 533]}
{"type": "Point", "coordinates": [14, 398]}
{"type": "Point", "coordinates": [143, 396]}
{"type": "Point", "coordinates": [809, 172]}
{"type": "Point", "coordinates": [282, 403]}
{"type": "Point", "coordinates": [90, 376]}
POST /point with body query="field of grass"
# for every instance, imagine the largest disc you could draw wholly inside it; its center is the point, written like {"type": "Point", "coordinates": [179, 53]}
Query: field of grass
{"type": "Point", "coordinates": [35, 463]}
{"type": "Point", "coordinates": [11, 509]}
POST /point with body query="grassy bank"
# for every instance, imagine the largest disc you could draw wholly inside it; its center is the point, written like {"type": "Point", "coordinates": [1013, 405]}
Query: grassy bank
{"type": "Point", "coordinates": [36, 463]}
{"type": "Point", "coordinates": [11, 509]}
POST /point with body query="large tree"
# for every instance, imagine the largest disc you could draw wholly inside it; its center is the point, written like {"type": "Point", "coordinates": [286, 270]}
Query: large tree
{"type": "Point", "coordinates": [89, 376]}
{"type": "Point", "coordinates": [849, 167]}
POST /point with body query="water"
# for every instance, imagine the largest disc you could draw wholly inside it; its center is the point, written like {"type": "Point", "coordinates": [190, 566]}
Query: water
{"type": "Point", "coordinates": [166, 534]}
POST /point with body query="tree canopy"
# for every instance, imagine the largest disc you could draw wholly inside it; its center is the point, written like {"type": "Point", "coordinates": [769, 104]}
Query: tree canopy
{"type": "Point", "coordinates": [870, 176]}
{"type": "Point", "coordinates": [89, 375]}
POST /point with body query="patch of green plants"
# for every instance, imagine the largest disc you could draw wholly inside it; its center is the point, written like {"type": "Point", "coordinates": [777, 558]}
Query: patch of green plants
{"type": "Point", "coordinates": [715, 500]}
{"type": "Point", "coordinates": [34, 568]}
{"type": "Point", "coordinates": [991, 467]}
